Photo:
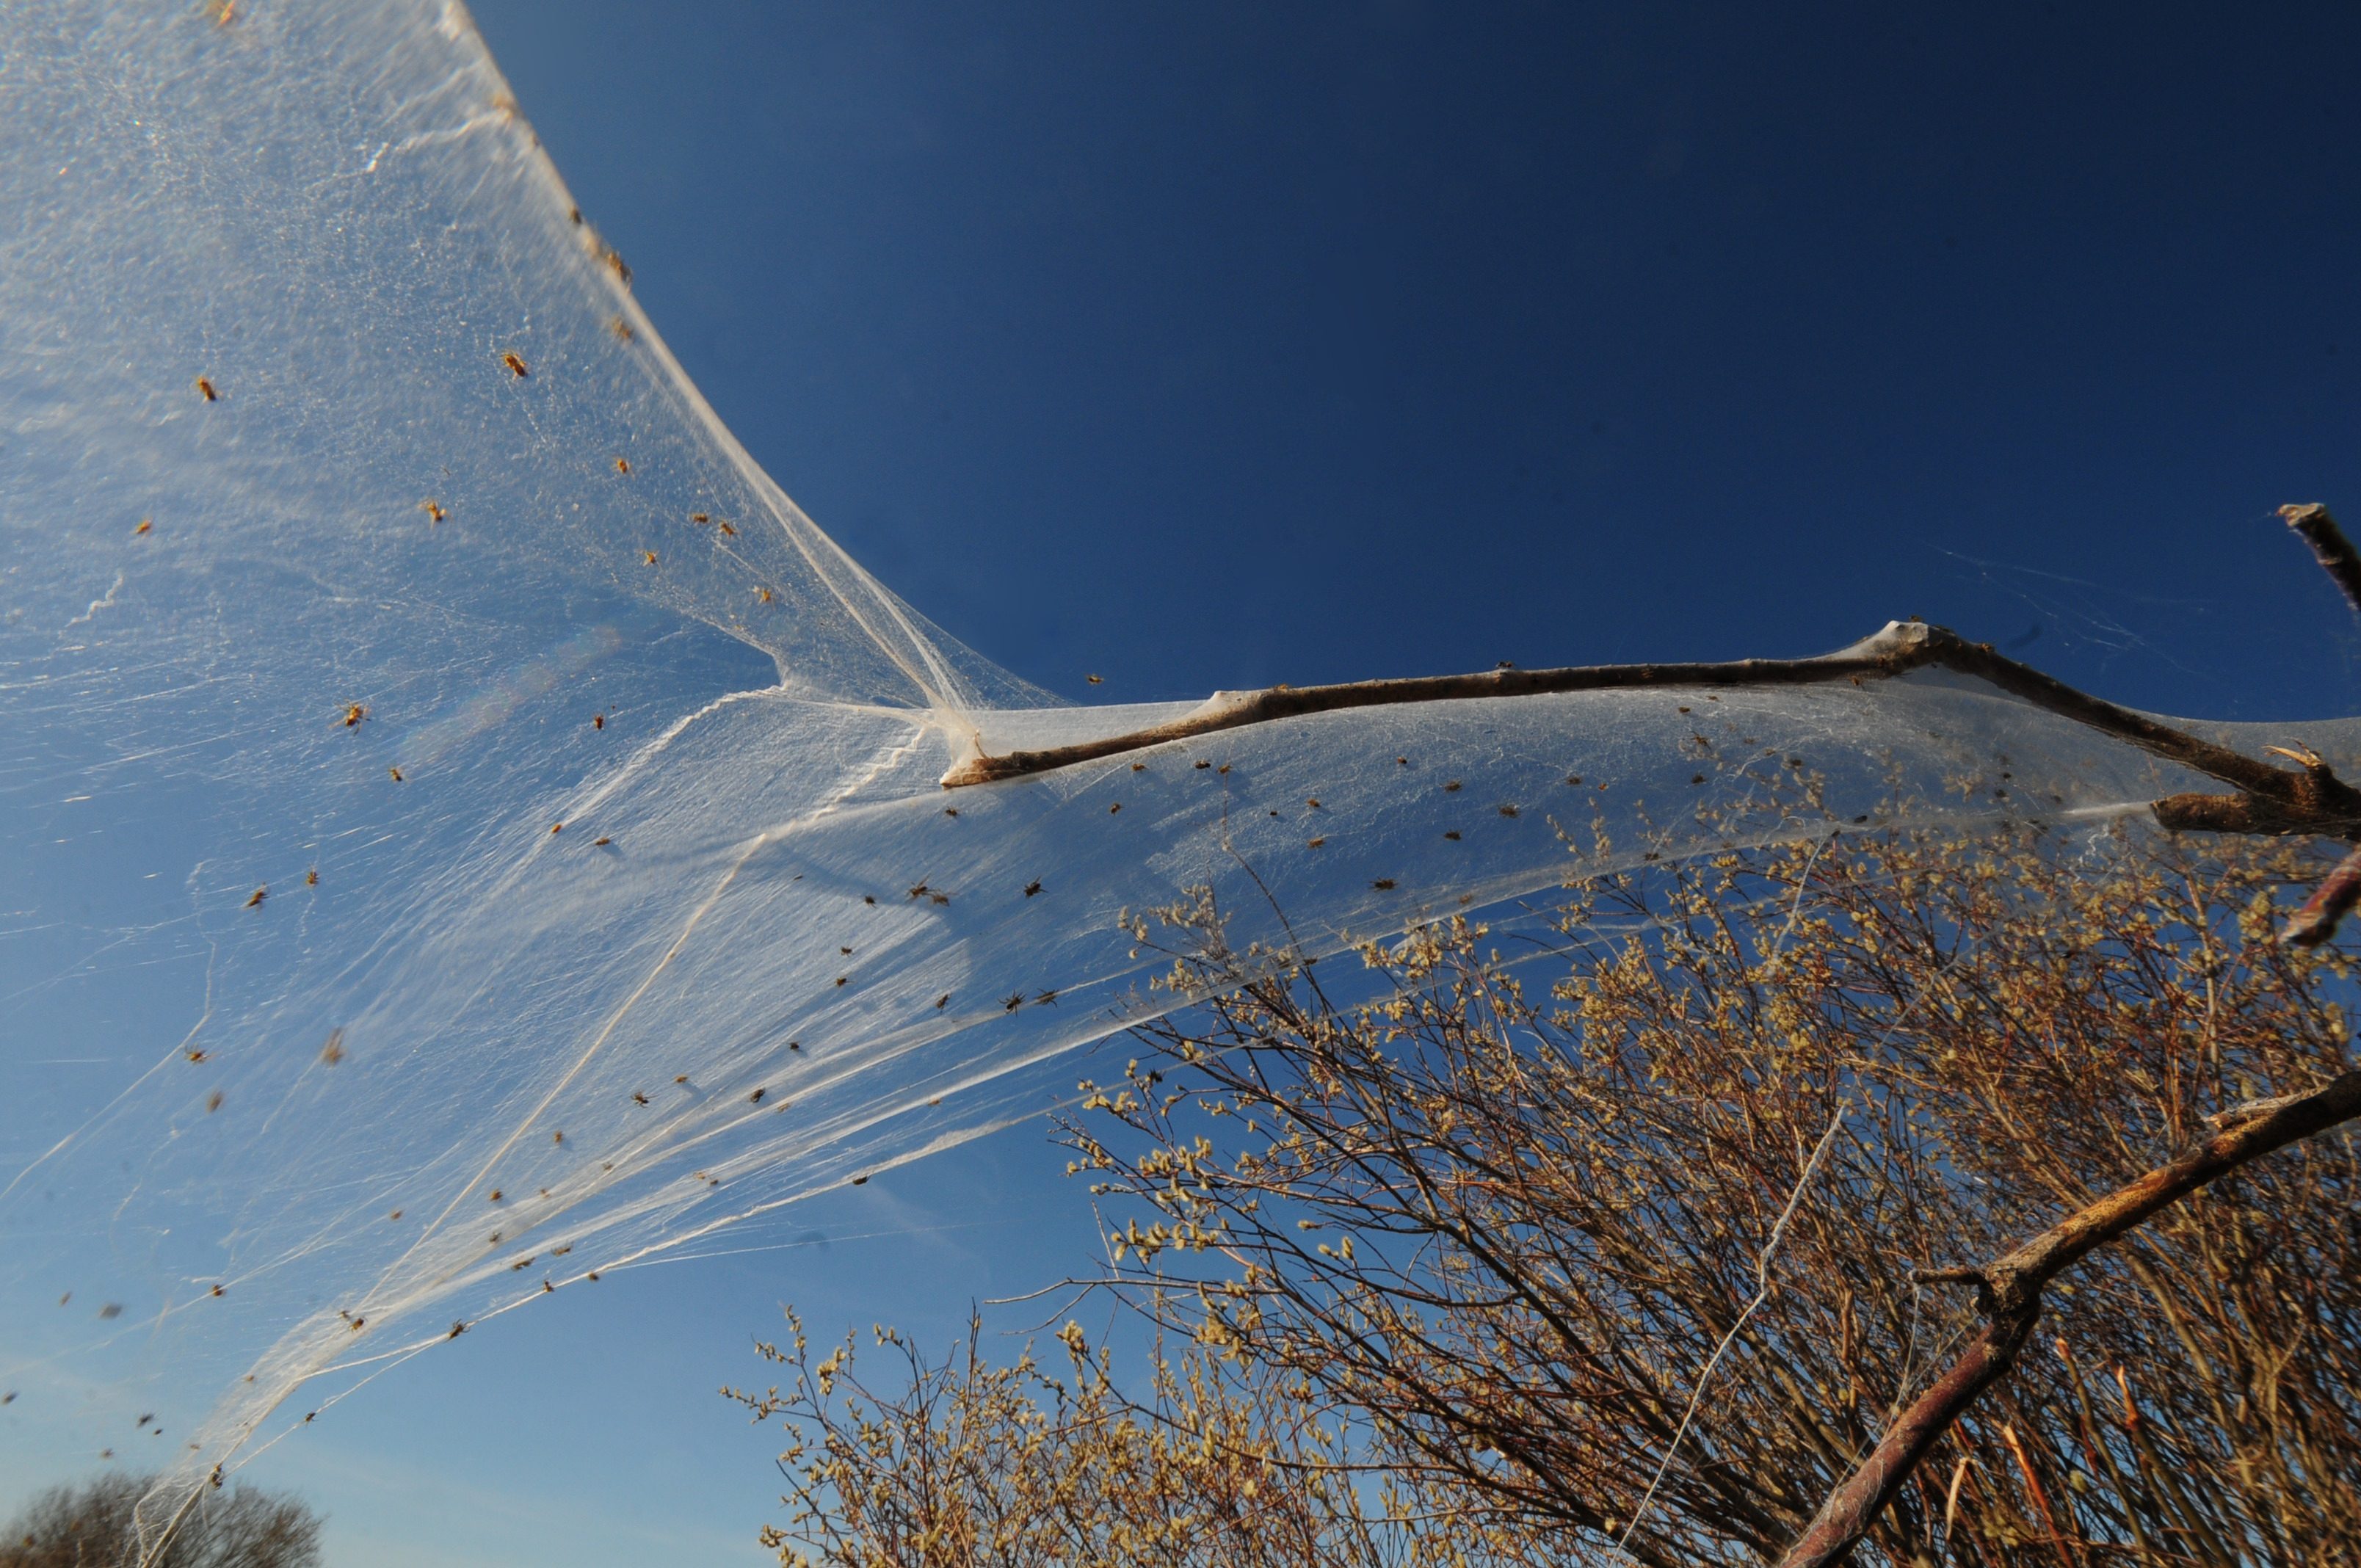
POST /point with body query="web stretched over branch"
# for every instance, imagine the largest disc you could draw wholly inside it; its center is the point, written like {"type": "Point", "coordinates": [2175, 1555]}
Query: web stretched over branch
{"type": "Point", "coordinates": [502, 834]}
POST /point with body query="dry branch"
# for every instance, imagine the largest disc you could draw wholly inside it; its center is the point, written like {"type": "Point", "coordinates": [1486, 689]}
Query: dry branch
{"type": "Point", "coordinates": [2329, 547]}
{"type": "Point", "coordinates": [2330, 903]}
{"type": "Point", "coordinates": [2310, 799]}
{"type": "Point", "coordinates": [1889, 652]}
{"type": "Point", "coordinates": [2008, 1291]}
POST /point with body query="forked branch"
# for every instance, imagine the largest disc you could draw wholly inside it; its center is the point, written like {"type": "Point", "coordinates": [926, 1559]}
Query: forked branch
{"type": "Point", "coordinates": [2308, 798]}
{"type": "Point", "coordinates": [2009, 1288]}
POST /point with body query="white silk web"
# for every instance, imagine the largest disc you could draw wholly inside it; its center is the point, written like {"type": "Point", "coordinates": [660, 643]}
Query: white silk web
{"type": "Point", "coordinates": [506, 832]}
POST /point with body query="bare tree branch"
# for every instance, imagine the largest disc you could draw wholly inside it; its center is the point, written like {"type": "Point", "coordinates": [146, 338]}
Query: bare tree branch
{"type": "Point", "coordinates": [2009, 1291]}
{"type": "Point", "coordinates": [2271, 799]}
{"type": "Point", "coordinates": [2330, 903]}
{"type": "Point", "coordinates": [1898, 647]}
{"type": "Point", "coordinates": [2329, 547]}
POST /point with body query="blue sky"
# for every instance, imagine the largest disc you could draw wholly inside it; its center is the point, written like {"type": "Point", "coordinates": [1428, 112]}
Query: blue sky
{"type": "Point", "coordinates": [1226, 344]}
{"type": "Point", "coordinates": [1229, 345]}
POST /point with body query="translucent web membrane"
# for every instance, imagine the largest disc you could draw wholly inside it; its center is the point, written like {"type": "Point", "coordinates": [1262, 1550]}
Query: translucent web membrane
{"type": "Point", "coordinates": [462, 828]}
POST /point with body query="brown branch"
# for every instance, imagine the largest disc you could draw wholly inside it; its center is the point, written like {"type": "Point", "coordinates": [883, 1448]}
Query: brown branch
{"type": "Point", "coordinates": [2307, 800]}
{"type": "Point", "coordinates": [2330, 903]}
{"type": "Point", "coordinates": [2329, 547]}
{"type": "Point", "coordinates": [1896, 648]}
{"type": "Point", "coordinates": [2040, 1495]}
{"type": "Point", "coordinates": [2009, 1293]}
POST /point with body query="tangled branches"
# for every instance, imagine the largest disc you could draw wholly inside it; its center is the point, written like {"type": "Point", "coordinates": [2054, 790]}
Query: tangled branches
{"type": "Point", "coordinates": [1508, 1230]}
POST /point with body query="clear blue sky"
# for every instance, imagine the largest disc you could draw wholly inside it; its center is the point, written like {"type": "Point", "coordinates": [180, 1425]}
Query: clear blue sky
{"type": "Point", "coordinates": [1394, 339]}
{"type": "Point", "coordinates": [1226, 344]}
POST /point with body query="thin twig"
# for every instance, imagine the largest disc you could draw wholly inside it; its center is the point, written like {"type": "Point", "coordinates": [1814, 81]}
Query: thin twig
{"type": "Point", "coordinates": [2040, 1495]}
{"type": "Point", "coordinates": [1951, 1501]}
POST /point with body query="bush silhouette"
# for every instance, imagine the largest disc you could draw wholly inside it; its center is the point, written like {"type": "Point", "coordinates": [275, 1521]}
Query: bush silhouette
{"type": "Point", "coordinates": [92, 1526]}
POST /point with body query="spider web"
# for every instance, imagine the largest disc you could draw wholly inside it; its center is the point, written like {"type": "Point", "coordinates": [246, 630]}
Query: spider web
{"type": "Point", "coordinates": [465, 827]}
